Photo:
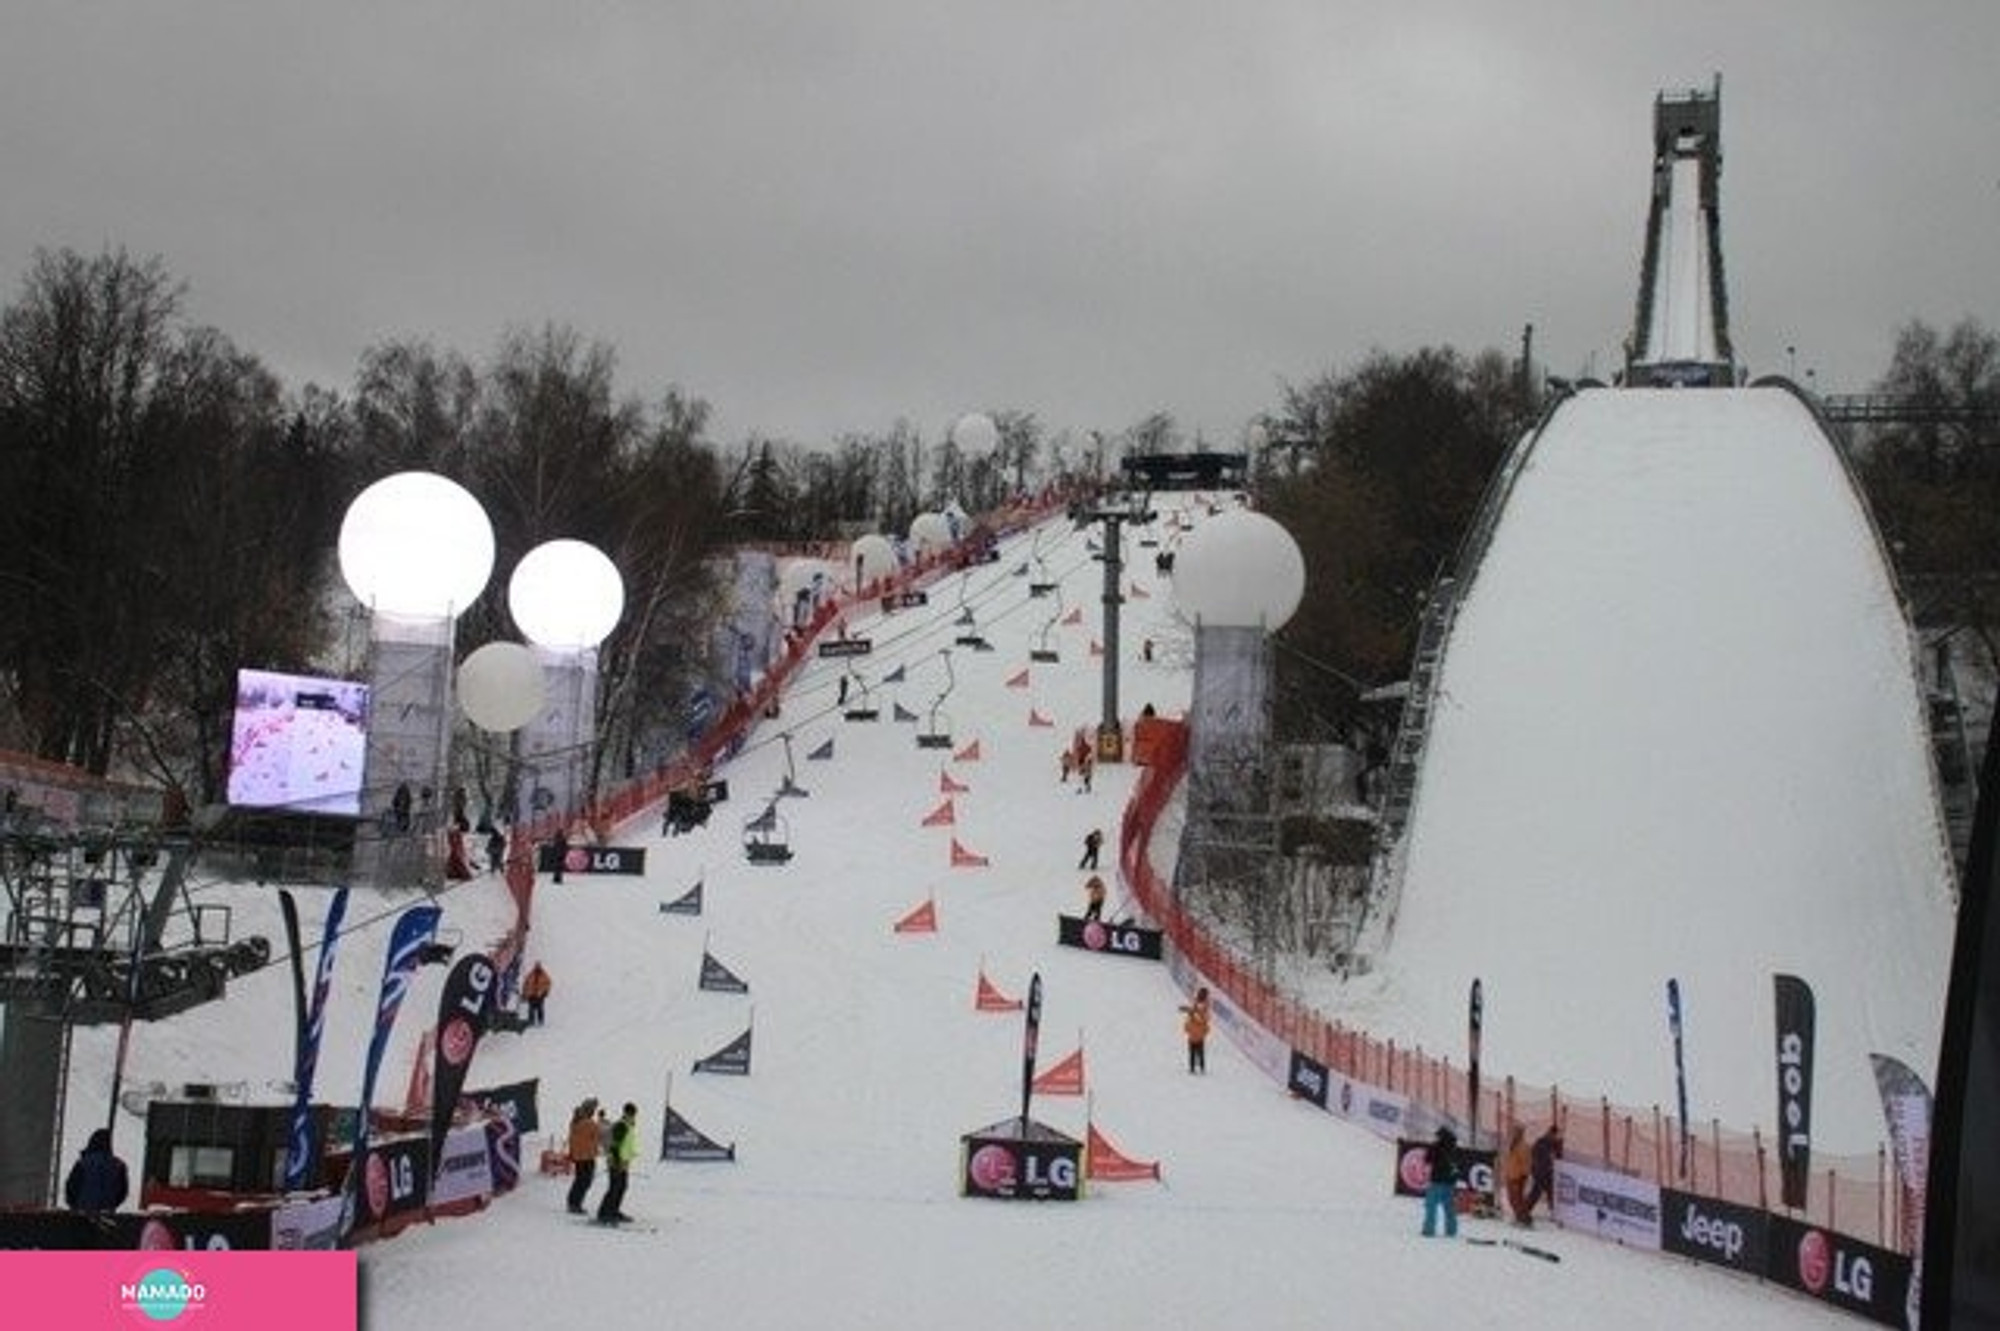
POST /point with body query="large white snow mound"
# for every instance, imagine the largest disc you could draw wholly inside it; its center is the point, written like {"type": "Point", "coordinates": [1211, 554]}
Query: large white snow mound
{"type": "Point", "coordinates": [1679, 734]}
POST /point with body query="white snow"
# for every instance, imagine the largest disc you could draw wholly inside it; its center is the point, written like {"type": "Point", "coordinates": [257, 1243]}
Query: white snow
{"type": "Point", "coordinates": [869, 1060]}
{"type": "Point", "coordinates": [1679, 735]}
{"type": "Point", "coordinates": [1683, 315]}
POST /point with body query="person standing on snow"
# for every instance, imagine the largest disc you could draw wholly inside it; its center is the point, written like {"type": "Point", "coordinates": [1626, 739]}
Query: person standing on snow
{"type": "Point", "coordinates": [618, 1166]}
{"type": "Point", "coordinates": [1547, 1150]}
{"type": "Point", "coordinates": [1093, 842]}
{"type": "Point", "coordinates": [1194, 1025]}
{"type": "Point", "coordinates": [1441, 1192]}
{"type": "Point", "coordinates": [536, 990]}
{"type": "Point", "coordinates": [1093, 896]}
{"type": "Point", "coordinates": [1514, 1165]}
{"type": "Point", "coordinates": [97, 1182]}
{"type": "Point", "coordinates": [584, 1144]}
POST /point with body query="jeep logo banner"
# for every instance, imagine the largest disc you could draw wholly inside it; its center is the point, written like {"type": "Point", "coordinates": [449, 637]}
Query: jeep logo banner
{"type": "Point", "coordinates": [1795, 1069]}
{"type": "Point", "coordinates": [1714, 1231]}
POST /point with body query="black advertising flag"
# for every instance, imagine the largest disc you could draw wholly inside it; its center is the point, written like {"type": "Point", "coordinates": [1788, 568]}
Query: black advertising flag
{"type": "Point", "coordinates": [462, 1013]}
{"type": "Point", "coordinates": [1906, 1105]}
{"type": "Point", "coordinates": [1031, 1034]}
{"type": "Point", "coordinates": [1680, 1073]}
{"type": "Point", "coordinates": [296, 947]}
{"type": "Point", "coordinates": [681, 1140]}
{"type": "Point", "coordinates": [732, 1060]}
{"type": "Point", "coordinates": [1795, 1077]}
{"type": "Point", "coordinates": [1474, 1021]}
{"type": "Point", "coordinates": [718, 978]}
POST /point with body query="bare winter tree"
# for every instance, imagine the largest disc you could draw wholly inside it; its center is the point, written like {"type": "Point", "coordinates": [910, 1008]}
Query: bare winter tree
{"type": "Point", "coordinates": [152, 543]}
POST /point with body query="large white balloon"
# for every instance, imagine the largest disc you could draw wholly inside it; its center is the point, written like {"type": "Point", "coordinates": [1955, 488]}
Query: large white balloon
{"type": "Point", "coordinates": [1240, 569]}
{"type": "Point", "coordinates": [874, 556]}
{"type": "Point", "coordinates": [975, 433]}
{"type": "Point", "coordinates": [930, 531]}
{"type": "Point", "coordinates": [500, 686]}
{"type": "Point", "coordinates": [416, 546]}
{"type": "Point", "coordinates": [566, 595]}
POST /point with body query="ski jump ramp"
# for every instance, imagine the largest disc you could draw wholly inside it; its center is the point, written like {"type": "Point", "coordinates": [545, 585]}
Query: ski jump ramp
{"type": "Point", "coordinates": [1677, 732]}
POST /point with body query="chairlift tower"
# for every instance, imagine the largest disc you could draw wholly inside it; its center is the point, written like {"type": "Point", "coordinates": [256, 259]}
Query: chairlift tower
{"type": "Point", "coordinates": [84, 944]}
{"type": "Point", "coordinates": [1110, 730]}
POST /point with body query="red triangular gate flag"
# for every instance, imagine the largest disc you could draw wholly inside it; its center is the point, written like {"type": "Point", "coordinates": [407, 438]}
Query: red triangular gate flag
{"type": "Point", "coordinates": [1064, 1077]}
{"type": "Point", "coordinates": [1019, 681]}
{"type": "Point", "coordinates": [1105, 1162]}
{"type": "Point", "coordinates": [988, 999]}
{"type": "Point", "coordinates": [961, 858]}
{"type": "Point", "coordinates": [968, 754]}
{"type": "Point", "coordinates": [949, 786]}
{"type": "Point", "coordinates": [941, 816]}
{"type": "Point", "coordinates": [922, 920]}
{"type": "Point", "coordinates": [1035, 718]}
{"type": "Point", "coordinates": [1074, 617]}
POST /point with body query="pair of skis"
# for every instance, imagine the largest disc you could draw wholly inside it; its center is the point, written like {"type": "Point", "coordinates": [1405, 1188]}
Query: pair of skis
{"type": "Point", "coordinates": [1528, 1249]}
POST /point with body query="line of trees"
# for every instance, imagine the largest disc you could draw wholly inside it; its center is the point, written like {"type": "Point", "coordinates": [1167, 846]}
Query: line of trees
{"type": "Point", "coordinates": [172, 509]}
{"type": "Point", "coordinates": [173, 512]}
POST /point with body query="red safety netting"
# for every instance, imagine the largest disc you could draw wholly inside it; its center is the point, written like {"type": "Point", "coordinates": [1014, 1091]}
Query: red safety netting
{"type": "Point", "coordinates": [1854, 1195]}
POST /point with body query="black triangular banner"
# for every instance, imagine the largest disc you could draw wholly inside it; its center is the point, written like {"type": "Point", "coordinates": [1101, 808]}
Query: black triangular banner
{"type": "Point", "coordinates": [904, 714]}
{"type": "Point", "coordinates": [718, 978]}
{"type": "Point", "coordinates": [894, 676]}
{"type": "Point", "coordinates": [682, 1140]}
{"type": "Point", "coordinates": [732, 1059]}
{"type": "Point", "coordinates": [821, 753]}
{"type": "Point", "coordinates": [688, 903]}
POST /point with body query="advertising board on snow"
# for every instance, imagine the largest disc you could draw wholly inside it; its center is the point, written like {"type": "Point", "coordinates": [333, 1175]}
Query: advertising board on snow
{"type": "Point", "coordinates": [1609, 1205]}
{"type": "Point", "coordinates": [463, 1171]}
{"type": "Point", "coordinates": [1380, 1112]}
{"type": "Point", "coordinates": [1859, 1277]}
{"type": "Point", "coordinates": [1708, 1230]}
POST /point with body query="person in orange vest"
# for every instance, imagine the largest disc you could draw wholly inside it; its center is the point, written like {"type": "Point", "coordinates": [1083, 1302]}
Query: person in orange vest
{"type": "Point", "coordinates": [1093, 896]}
{"type": "Point", "coordinates": [536, 990]}
{"type": "Point", "coordinates": [1514, 1165]}
{"type": "Point", "coordinates": [1195, 1027]}
{"type": "Point", "coordinates": [585, 1141]}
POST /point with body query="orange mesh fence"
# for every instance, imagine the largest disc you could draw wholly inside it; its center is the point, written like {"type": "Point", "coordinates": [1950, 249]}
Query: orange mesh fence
{"type": "Point", "coordinates": [1854, 1195]}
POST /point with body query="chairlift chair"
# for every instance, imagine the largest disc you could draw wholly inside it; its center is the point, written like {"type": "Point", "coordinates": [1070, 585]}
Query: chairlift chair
{"type": "Point", "coordinates": [766, 838]}
{"type": "Point", "coordinates": [790, 786]}
{"type": "Point", "coordinates": [936, 733]}
{"type": "Point", "coordinates": [862, 710]}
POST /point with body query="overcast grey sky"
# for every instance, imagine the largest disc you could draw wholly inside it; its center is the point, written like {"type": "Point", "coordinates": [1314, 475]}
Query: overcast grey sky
{"type": "Point", "coordinates": [823, 217]}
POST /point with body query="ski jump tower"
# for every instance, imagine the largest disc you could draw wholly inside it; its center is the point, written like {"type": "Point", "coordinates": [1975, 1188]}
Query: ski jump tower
{"type": "Point", "coordinates": [1680, 335]}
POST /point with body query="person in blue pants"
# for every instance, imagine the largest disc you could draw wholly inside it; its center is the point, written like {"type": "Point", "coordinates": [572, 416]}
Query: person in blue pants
{"type": "Point", "coordinates": [1440, 1193]}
